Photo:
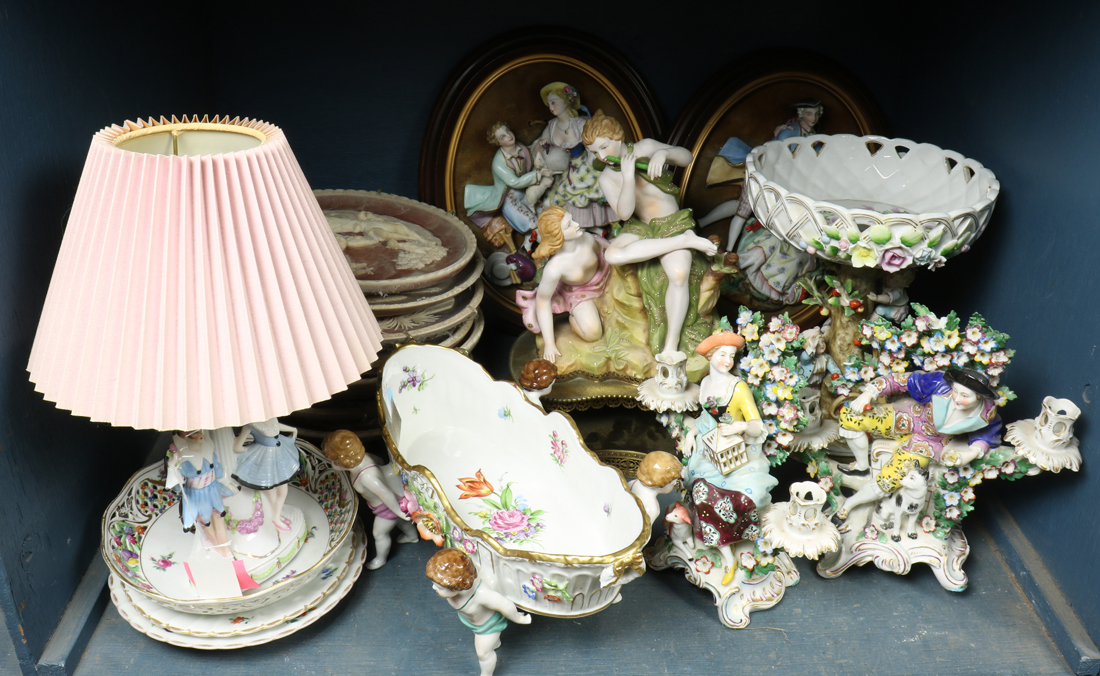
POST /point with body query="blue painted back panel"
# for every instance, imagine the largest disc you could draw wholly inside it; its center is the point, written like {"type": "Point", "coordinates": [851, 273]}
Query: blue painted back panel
{"type": "Point", "coordinates": [1020, 91]}
{"type": "Point", "coordinates": [65, 72]}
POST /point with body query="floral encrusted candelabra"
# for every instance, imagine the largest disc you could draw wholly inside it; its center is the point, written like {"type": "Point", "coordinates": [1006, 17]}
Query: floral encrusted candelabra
{"type": "Point", "coordinates": [892, 408]}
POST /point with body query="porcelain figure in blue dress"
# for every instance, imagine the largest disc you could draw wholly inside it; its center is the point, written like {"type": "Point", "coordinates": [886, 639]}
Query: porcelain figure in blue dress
{"type": "Point", "coordinates": [268, 463]}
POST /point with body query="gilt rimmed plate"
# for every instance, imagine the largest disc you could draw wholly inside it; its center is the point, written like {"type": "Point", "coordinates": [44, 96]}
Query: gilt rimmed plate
{"type": "Point", "coordinates": [305, 617]}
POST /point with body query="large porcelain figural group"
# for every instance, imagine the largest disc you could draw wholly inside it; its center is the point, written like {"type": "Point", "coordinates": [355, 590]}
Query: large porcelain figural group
{"type": "Point", "coordinates": [892, 408]}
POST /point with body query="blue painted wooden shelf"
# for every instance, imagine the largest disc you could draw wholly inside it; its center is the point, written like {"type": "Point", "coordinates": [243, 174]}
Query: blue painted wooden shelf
{"type": "Point", "coordinates": [865, 622]}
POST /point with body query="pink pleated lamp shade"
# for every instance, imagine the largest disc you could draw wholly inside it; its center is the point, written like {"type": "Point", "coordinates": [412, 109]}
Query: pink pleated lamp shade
{"type": "Point", "coordinates": [198, 284]}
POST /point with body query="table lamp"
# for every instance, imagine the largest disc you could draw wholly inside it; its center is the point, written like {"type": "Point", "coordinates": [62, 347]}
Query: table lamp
{"type": "Point", "coordinates": [199, 287]}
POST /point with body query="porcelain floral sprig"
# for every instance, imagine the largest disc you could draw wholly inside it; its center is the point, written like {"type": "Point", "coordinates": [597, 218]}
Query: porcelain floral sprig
{"type": "Point", "coordinates": [926, 342]}
{"type": "Point", "coordinates": [771, 369]}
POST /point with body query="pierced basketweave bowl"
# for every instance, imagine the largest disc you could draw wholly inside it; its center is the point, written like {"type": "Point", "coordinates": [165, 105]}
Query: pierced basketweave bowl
{"type": "Point", "coordinates": [870, 201]}
{"type": "Point", "coordinates": [147, 560]}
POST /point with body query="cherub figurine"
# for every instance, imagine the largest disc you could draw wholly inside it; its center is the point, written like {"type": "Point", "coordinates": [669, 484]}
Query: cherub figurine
{"type": "Point", "coordinates": [346, 451]}
{"type": "Point", "coordinates": [268, 463]}
{"type": "Point", "coordinates": [941, 405]}
{"type": "Point", "coordinates": [657, 234]}
{"type": "Point", "coordinates": [573, 277]}
{"type": "Point", "coordinates": [537, 379]}
{"type": "Point", "coordinates": [657, 475]}
{"type": "Point", "coordinates": [483, 610]}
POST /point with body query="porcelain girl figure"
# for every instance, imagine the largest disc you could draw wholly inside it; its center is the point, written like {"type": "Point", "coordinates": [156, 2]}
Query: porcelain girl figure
{"type": "Point", "coordinates": [578, 189]}
{"type": "Point", "coordinates": [193, 464]}
{"type": "Point", "coordinates": [657, 234]}
{"type": "Point", "coordinates": [513, 171]}
{"type": "Point", "coordinates": [268, 463]}
{"type": "Point", "coordinates": [346, 451]}
{"type": "Point", "coordinates": [657, 475]}
{"type": "Point", "coordinates": [573, 277]}
{"type": "Point", "coordinates": [725, 493]}
{"type": "Point", "coordinates": [483, 610]}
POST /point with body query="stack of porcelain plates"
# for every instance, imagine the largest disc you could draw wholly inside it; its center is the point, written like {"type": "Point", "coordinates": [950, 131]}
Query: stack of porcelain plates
{"type": "Point", "coordinates": [145, 548]}
{"type": "Point", "coordinates": [421, 272]}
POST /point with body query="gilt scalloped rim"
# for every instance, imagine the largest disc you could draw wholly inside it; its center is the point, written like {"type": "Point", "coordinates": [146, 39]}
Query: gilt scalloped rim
{"type": "Point", "coordinates": [114, 131]}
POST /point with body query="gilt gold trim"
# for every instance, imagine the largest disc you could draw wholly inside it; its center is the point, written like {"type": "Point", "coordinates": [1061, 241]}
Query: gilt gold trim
{"type": "Point", "coordinates": [629, 556]}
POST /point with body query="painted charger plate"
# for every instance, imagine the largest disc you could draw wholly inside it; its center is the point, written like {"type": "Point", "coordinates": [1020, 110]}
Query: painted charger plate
{"type": "Point", "coordinates": [166, 545]}
{"type": "Point", "coordinates": [474, 336]}
{"type": "Point", "coordinates": [411, 301]}
{"type": "Point", "coordinates": [232, 624]}
{"type": "Point", "coordinates": [387, 265]}
{"type": "Point", "coordinates": [431, 321]}
{"type": "Point", "coordinates": [303, 619]}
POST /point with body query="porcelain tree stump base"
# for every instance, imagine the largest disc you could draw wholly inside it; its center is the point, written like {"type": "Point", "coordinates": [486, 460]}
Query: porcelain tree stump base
{"type": "Point", "coordinates": [743, 595]}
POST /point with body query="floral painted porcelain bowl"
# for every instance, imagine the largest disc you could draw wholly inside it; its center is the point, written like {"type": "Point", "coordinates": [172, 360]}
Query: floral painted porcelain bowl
{"type": "Point", "coordinates": [144, 546]}
{"type": "Point", "coordinates": [870, 201]}
{"type": "Point", "coordinates": [554, 529]}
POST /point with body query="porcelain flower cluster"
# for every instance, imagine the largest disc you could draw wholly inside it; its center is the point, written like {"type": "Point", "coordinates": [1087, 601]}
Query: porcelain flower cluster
{"type": "Point", "coordinates": [926, 342]}
{"type": "Point", "coordinates": [770, 367]}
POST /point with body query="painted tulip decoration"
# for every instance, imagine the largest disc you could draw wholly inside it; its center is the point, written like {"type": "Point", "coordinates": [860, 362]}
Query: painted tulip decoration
{"type": "Point", "coordinates": [475, 488]}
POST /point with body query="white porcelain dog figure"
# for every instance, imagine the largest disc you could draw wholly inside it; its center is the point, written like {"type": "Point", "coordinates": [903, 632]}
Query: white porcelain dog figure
{"type": "Point", "coordinates": [678, 526]}
{"type": "Point", "coordinates": [906, 504]}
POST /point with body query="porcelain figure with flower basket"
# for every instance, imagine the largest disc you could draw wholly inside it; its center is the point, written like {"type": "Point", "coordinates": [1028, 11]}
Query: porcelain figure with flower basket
{"type": "Point", "coordinates": [486, 471]}
{"type": "Point", "coordinates": [726, 477]}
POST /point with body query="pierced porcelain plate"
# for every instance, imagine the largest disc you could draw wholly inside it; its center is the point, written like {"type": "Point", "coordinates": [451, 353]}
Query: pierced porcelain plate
{"type": "Point", "coordinates": [278, 620]}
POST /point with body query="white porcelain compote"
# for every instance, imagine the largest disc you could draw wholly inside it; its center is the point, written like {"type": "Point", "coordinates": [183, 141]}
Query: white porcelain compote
{"type": "Point", "coordinates": [870, 201]}
{"type": "Point", "coordinates": [552, 528]}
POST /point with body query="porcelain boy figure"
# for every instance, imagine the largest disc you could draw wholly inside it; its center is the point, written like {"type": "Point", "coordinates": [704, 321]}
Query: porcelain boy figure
{"type": "Point", "coordinates": [513, 170]}
{"type": "Point", "coordinates": [346, 451]}
{"type": "Point", "coordinates": [483, 610]}
{"type": "Point", "coordinates": [958, 401]}
{"type": "Point", "coordinates": [194, 465]}
{"type": "Point", "coordinates": [657, 234]}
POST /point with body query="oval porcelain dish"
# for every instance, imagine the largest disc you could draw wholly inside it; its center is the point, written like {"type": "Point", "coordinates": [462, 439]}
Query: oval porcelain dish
{"type": "Point", "coordinates": [555, 530]}
{"type": "Point", "coordinates": [870, 201]}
